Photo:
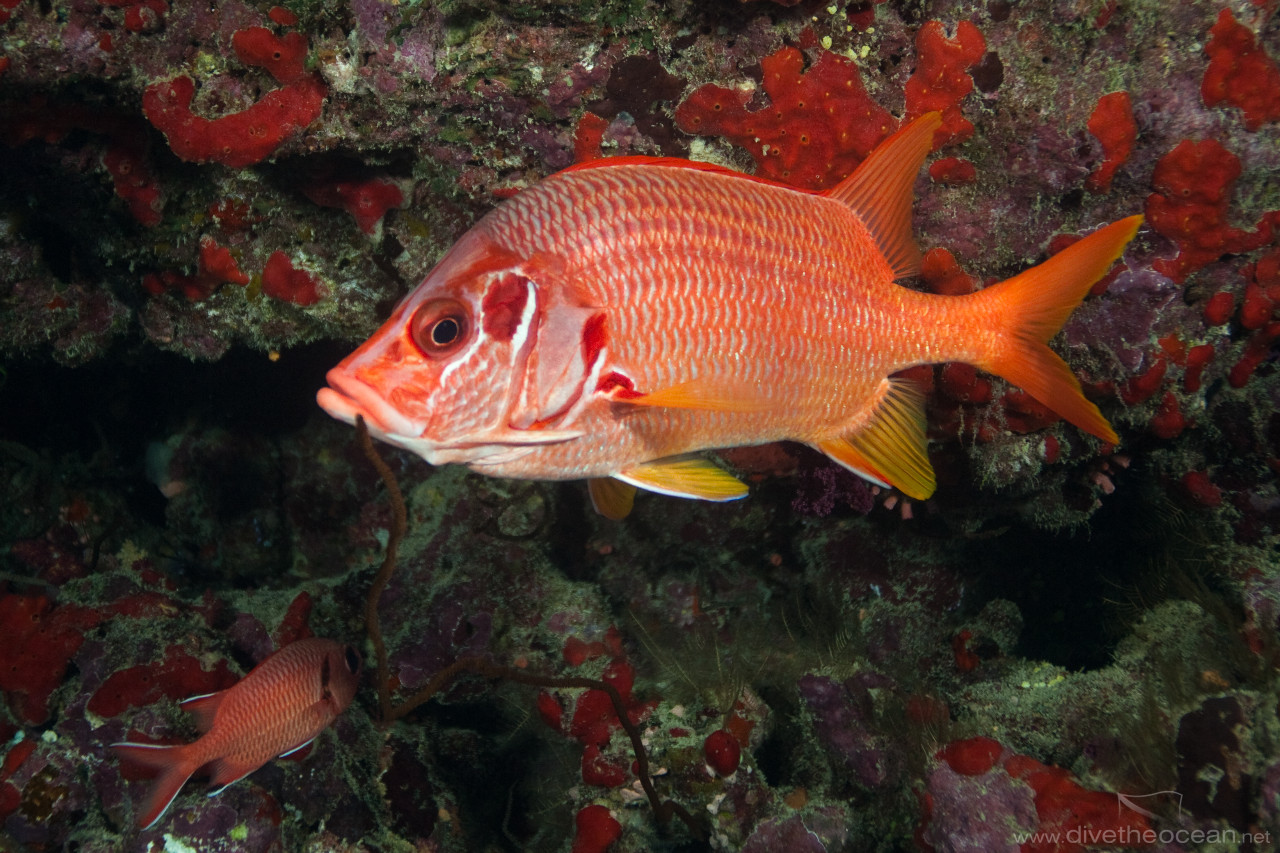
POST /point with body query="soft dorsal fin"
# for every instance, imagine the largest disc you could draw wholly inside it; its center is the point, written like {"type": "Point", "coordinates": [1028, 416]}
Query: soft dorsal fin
{"type": "Point", "coordinates": [685, 477]}
{"type": "Point", "coordinates": [204, 708]}
{"type": "Point", "coordinates": [891, 449]}
{"type": "Point", "coordinates": [880, 191]}
{"type": "Point", "coordinates": [611, 498]}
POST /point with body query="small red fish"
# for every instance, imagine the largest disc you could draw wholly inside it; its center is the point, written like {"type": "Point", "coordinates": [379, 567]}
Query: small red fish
{"type": "Point", "coordinates": [619, 316]}
{"type": "Point", "coordinates": [276, 709]}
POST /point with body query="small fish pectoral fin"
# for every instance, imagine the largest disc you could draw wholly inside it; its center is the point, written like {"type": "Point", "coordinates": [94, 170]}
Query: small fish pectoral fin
{"type": "Point", "coordinates": [891, 449]}
{"type": "Point", "coordinates": [203, 708]}
{"type": "Point", "coordinates": [226, 772]}
{"type": "Point", "coordinates": [880, 191]}
{"type": "Point", "coordinates": [685, 477]}
{"type": "Point", "coordinates": [611, 498]}
{"type": "Point", "coordinates": [706, 393]}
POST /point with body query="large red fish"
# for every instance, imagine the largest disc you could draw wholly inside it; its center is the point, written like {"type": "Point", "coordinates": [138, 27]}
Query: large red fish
{"type": "Point", "coordinates": [278, 708]}
{"type": "Point", "coordinates": [621, 315]}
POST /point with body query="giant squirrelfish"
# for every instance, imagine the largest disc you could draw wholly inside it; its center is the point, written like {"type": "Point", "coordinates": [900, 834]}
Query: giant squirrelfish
{"type": "Point", "coordinates": [621, 315]}
{"type": "Point", "coordinates": [278, 708]}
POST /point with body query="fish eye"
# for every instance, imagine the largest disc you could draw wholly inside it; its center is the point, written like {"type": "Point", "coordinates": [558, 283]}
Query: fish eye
{"type": "Point", "coordinates": [440, 327]}
{"type": "Point", "coordinates": [352, 659]}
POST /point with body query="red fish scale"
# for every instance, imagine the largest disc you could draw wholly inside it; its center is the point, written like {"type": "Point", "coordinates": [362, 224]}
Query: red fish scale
{"type": "Point", "coordinates": [696, 268]}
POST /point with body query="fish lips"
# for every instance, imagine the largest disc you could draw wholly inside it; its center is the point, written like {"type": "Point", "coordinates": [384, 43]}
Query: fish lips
{"type": "Point", "coordinates": [347, 398]}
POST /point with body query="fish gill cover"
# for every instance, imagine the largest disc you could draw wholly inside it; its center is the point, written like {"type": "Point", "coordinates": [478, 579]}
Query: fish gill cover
{"type": "Point", "coordinates": [203, 207]}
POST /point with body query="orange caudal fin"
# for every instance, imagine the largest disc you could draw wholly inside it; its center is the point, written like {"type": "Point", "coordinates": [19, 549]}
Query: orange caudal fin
{"type": "Point", "coordinates": [175, 768]}
{"type": "Point", "coordinates": [1033, 306]}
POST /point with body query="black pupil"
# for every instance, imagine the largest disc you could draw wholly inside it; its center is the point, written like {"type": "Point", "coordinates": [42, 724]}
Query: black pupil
{"type": "Point", "coordinates": [445, 332]}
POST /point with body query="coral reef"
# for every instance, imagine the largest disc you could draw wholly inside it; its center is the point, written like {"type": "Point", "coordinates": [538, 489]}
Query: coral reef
{"type": "Point", "coordinates": [204, 207]}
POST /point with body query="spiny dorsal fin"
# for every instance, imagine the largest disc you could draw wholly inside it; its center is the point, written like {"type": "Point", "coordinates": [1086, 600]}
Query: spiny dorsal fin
{"type": "Point", "coordinates": [685, 477]}
{"type": "Point", "coordinates": [880, 191]}
{"type": "Point", "coordinates": [892, 448]}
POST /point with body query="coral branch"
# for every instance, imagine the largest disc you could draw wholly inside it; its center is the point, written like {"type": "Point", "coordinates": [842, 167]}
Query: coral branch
{"type": "Point", "coordinates": [399, 524]}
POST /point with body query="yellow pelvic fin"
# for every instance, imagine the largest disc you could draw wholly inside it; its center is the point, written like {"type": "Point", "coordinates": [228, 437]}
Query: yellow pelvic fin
{"type": "Point", "coordinates": [892, 448]}
{"type": "Point", "coordinates": [612, 498]}
{"type": "Point", "coordinates": [685, 477]}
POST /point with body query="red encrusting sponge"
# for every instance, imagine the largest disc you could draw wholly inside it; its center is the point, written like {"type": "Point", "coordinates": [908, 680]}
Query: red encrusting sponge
{"type": "Point", "coordinates": [1240, 73]}
{"type": "Point", "coordinates": [1113, 126]}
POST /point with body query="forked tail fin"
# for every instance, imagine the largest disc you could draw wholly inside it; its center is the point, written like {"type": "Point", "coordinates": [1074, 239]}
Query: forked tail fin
{"type": "Point", "coordinates": [1031, 307]}
{"type": "Point", "coordinates": [175, 769]}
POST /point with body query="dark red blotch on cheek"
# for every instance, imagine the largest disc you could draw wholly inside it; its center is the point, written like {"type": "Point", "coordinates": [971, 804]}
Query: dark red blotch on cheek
{"type": "Point", "coordinates": [503, 305]}
{"type": "Point", "coordinates": [594, 337]}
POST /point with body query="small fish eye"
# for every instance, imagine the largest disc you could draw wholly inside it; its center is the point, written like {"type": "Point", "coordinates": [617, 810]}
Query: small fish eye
{"type": "Point", "coordinates": [352, 659]}
{"type": "Point", "coordinates": [440, 327]}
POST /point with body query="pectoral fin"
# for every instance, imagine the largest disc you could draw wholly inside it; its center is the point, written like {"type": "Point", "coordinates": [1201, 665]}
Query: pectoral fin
{"type": "Point", "coordinates": [711, 394]}
{"type": "Point", "coordinates": [685, 477]}
{"type": "Point", "coordinates": [891, 449]}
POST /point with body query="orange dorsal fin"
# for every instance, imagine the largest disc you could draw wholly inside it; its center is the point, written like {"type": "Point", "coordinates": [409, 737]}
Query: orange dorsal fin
{"type": "Point", "coordinates": [204, 708]}
{"type": "Point", "coordinates": [891, 449]}
{"type": "Point", "coordinates": [175, 765]}
{"type": "Point", "coordinates": [1033, 306]}
{"type": "Point", "coordinates": [708, 393]}
{"type": "Point", "coordinates": [685, 477]}
{"type": "Point", "coordinates": [880, 191]}
{"type": "Point", "coordinates": [611, 498]}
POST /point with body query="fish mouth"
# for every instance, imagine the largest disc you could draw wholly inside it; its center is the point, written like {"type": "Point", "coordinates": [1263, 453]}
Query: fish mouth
{"type": "Point", "coordinates": [347, 398]}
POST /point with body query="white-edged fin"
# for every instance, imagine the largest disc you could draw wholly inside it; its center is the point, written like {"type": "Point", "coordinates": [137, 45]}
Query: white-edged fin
{"type": "Point", "coordinates": [226, 772]}
{"type": "Point", "coordinates": [685, 477]}
{"type": "Point", "coordinates": [297, 748]}
{"type": "Point", "coordinates": [204, 708]}
{"type": "Point", "coordinates": [881, 191]}
{"type": "Point", "coordinates": [891, 449]}
{"type": "Point", "coordinates": [611, 498]}
{"type": "Point", "coordinates": [171, 761]}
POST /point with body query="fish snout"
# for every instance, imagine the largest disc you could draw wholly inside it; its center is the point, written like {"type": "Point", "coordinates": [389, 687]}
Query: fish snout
{"type": "Point", "coordinates": [347, 398]}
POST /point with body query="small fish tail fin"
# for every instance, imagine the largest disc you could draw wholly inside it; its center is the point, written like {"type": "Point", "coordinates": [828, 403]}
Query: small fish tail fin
{"type": "Point", "coordinates": [175, 766]}
{"type": "Point", "coordinates": [1033, 306]}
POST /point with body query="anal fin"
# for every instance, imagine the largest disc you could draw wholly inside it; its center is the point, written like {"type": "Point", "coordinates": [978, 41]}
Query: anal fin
{"type": "Point", "coordinates": [685, 477]}
{"type": "Point", "coordinates": [891, 449]}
